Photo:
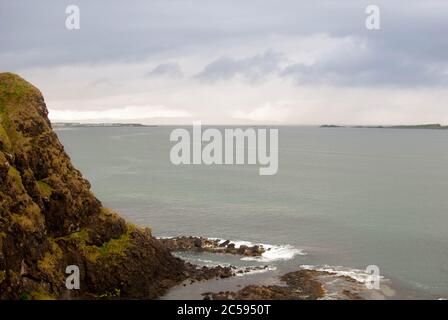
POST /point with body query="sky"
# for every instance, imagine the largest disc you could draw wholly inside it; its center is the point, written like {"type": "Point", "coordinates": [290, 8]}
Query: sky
{"type": "Point", "coordinates": [232, 61]}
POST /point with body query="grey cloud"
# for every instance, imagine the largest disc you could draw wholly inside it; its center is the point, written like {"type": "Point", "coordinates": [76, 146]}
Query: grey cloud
{"type": "Point", "coordinates": [252, 68]}
{"type": "Point", "coordinates": [410, 49]}
{"type": "Point", "coordinates": [370, 68]}
{"type": "Point", "coordinates": [167, 69]}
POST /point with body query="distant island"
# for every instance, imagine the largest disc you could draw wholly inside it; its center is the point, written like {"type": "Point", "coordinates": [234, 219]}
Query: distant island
{"type": "Point", "coordinates": [435, 126]}
{"type": "Point", "coordinates": [82, 125]}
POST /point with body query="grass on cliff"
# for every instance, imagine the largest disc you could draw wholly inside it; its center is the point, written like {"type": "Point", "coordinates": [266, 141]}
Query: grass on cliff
{"type": "Point", "coordinates": [4, 139]}
{"type": "Point", "coordinates": [15, 97]}
{"type": "Point", "coordinates": [41, 295]}
{"type": "Point", "coordinates": [2, 101]}
{"type": "Point", "coordinates": [31, 219]}
{"type": "Point", "coordinates": [49, 263]}
{"type": "Point", "coordinates": [13, 89]}
{"type": "Point", "coordinates": [14, 174]}
{"type": "Point", "coordinates": [44, 188]}
{"type": "Point", "coordinates": [38, 294]}
{"type": "Point", "coordinates": [81, 236]}
{"type": "Point", "coordinates": [116, 247]}
{"type": "Point", "coordinates": [93, 253]}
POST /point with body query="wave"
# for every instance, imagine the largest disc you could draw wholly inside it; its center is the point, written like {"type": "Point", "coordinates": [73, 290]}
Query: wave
{"type": "Point", "coordinates": [254, 271]}
{"type": "Point", "coordinates": [356, 274]}
{"type": "Point", "coordinates": [272, 252]}
{"type": "Point", "coordinates": [239, 271]}
{"type": "Point", "coordinates": [200, 261]}
{"type": "Point", "coordinates": [276, 253]}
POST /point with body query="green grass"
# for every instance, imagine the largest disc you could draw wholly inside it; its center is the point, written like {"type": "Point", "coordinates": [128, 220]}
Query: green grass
{"type": "Point", "coordinates": [8, 134]}
{"type": "Point", "coordinates": [80, 236]}
{"type": "Point", "coordinates": [15, 174]}
{"type": "Point", "coordinates": [116, 293]}
{"type": "Point", "coordinates": [4, 138]}
{"type": "Point", "coordinates": [14, 87]}
{"type": "Point", "coordinates": [2, 98]}
{"type": "Point", "coordinates": [17, 98]}
{"type": "Point", "coordinates": [115, 246]}
{"type": "Point", "coordinates": [44, 188]}
{"type": "Point", "coordinates": [41, 295]}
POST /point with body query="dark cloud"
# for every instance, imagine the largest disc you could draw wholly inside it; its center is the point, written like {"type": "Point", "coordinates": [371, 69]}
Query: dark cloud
{"type": "Point", "coordinates": [370, 68]}
{"type": "Point", "coordinates": [409, 50]}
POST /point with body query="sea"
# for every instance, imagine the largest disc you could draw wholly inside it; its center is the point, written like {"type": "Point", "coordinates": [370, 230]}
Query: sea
{"type": "Point", "coordinates": [343, 199]}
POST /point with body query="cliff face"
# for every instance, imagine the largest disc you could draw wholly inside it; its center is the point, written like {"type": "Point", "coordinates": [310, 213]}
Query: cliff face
{"type": "Point", "coordinates": [49, 219]}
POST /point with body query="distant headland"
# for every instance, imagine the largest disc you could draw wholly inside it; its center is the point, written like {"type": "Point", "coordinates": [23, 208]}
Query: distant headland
{"type": "Point", "coordinates": [82, 125]}
{"type": "Point", "coordinates": [435, 126]}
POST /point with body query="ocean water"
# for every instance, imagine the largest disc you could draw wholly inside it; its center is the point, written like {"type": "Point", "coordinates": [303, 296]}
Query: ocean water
{"type": "Point", "coordinates": [343, 199]}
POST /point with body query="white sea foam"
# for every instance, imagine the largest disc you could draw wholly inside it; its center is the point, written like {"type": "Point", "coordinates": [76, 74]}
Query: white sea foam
{"type": "Point", "coordinates": [272, 252]}
{"type": "Point", "coordinates": [359, 275]}
{"type": "Point", "coordinates": [211, 263]}
{"type": "Point", "coordinates": [239, 271]}
{"type": "Point", "coordinates": [254, 271]}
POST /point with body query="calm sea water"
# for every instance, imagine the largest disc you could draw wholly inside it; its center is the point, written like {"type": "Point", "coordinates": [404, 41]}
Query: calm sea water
{"type": "Point", "coordinates": [342, 198]}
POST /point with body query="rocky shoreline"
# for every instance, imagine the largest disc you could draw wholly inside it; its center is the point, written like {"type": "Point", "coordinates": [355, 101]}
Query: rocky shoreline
{"type": "Point", "coordinates": [203, 273]}
{"type": "Point", "coordinates": [302, 284]}
{"type": "Point", "coordinates": [202, 244]}
{"type": "Point", "coordinates": [297, 285]}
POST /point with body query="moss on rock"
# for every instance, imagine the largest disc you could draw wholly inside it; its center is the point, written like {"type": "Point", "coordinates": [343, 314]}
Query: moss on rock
{"type": "Point", "coordinates": [44, 188]}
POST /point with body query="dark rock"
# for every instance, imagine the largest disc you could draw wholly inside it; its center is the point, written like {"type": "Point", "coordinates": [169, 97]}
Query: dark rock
{"type": "Point", "coordinates": [224, 244]}
{"type": "Point", "coordinates": [197, 243]}
{"type": "Point", "coordinates": [298, 285]}
{"type": "Point", "coordinates": [190, 243]}
{"type": "Point", "coordinates": [242, 249]}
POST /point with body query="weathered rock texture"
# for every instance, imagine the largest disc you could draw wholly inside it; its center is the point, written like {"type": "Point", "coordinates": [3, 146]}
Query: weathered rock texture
{"type": "Point", "coordinates": [298, 285]}
{"type": "Point", "coordinates": [201, 244]}
{"type": "Point", "coordinates": [49, 219]}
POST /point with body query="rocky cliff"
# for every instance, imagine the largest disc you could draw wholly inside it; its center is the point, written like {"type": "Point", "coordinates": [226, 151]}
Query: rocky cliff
{"type": "Point", "coordinates": [49, 218]}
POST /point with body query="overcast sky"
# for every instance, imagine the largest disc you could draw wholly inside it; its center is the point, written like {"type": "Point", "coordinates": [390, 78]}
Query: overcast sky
{"type": "Point", "coordinates": [232, 61]}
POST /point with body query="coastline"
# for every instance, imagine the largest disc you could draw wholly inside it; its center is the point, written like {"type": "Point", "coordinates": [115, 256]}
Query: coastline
{"type": "Point", "coordinates": [61, 222]}
{"type": "Point", "coordinates": [304, 282]}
